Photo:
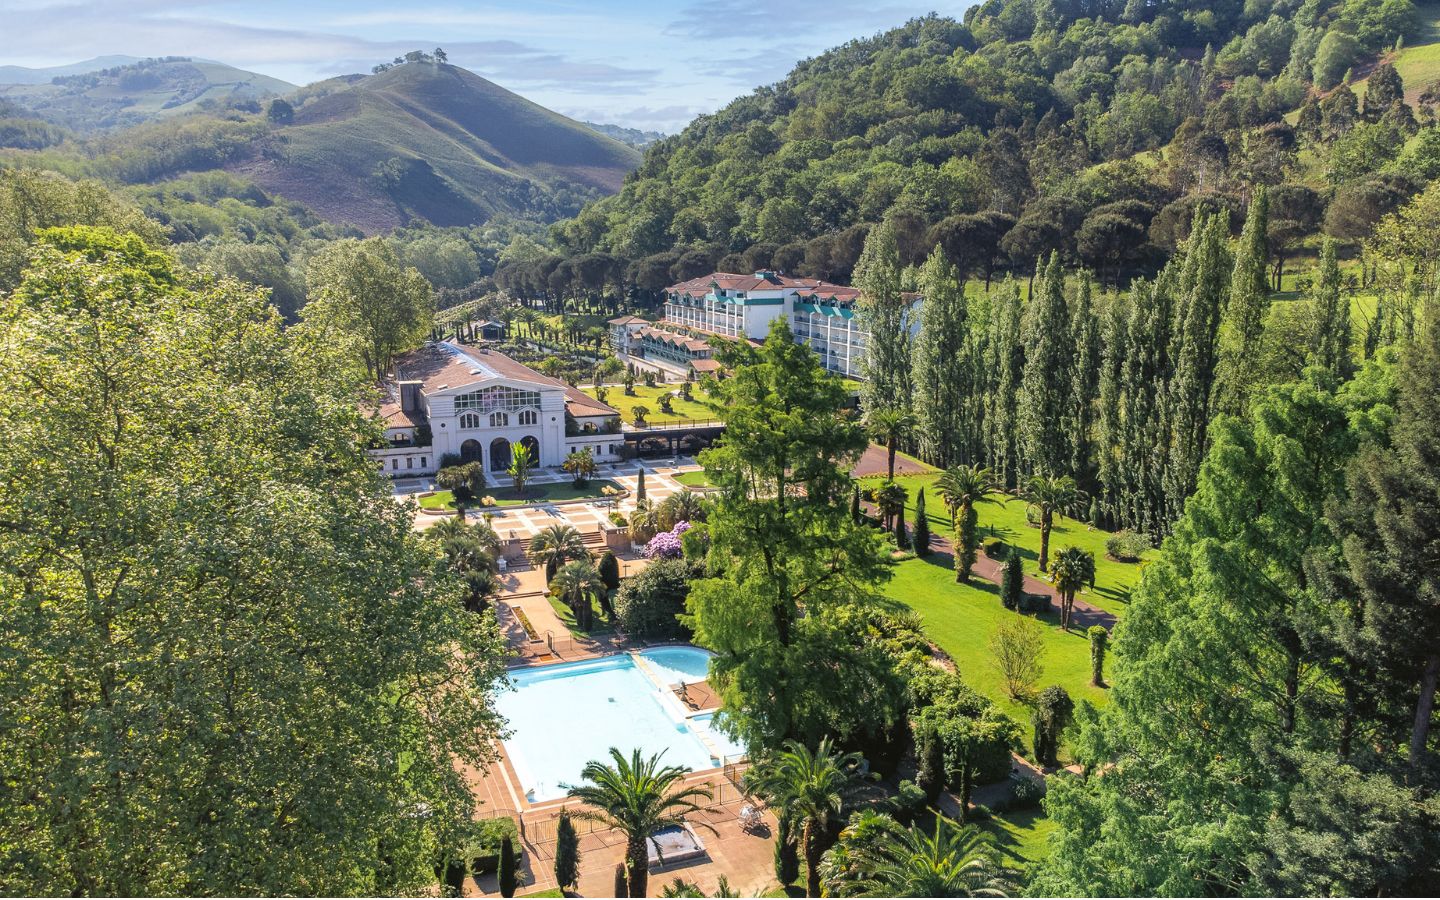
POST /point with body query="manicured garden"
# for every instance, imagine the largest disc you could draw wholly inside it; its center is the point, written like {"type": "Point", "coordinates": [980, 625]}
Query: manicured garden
{"type": "Point", "coordinates": [649, 397]}
{"type": "Point", "coordinates": [534, 493]}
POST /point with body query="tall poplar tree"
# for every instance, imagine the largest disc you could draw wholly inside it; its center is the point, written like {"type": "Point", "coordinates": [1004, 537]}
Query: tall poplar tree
{"type": "Point", "coordinates": [1242, 328]}
{"type": "Point", "coordinates": [1330, 341]}
{"type": "Point", "coordinates": [1079, 422]}
{"type": "Point", "coordinates": [884, 315]}
{"type": "Point", "coordinates": [943, 369]}
{"type": "Point", "coordinates": [1045, 380]}
{"type": "Point", "coordinates": [1203, 287]}
{"type": "Point", "coordinates": [1005, 359]}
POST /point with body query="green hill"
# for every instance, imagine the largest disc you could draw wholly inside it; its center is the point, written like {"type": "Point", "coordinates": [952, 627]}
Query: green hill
{"type": "Point", "coordinates": [437, 142]}
{"type": "Point", "coordinates": [140, 92]}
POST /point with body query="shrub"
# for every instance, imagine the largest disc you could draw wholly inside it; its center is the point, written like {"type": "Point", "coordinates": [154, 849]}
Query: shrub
{"type": "Point", "coordinates": [996, 549]}
{"type": "Point", "coordinates": [1053, 709]}
{"type": "Point", "coordinates": [482, 844]}
{"type": "Point", "coordinates": [1035, 603]}
{"type": "Point", "coordinates": [648, 604]}
{"type": "Point", "coordinates": [1012, 583]}
{"type": "Point", "coordinates": [609, 569]}
{"type": "Point", "coordinates": [1028, 791]}
{"type": "Point", "coordinates": [787, 852]}
{"type": "Point", "coordinates": [1126, 546]}
{"type": "Point", "coordinates": [909, 802]}
{"type": "Point", "coordinates": [979, 813]}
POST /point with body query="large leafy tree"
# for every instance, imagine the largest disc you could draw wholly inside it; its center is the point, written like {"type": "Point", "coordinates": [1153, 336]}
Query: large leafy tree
{"type": "Point", "coordinates": [1227, 766]}
{"type": "Point", "coordinates": [364, 298]}
{"type": "Point", "coordinates": [636, 796]}
{"type": "Point", "coordinates": [783, 542]}
{"type": "Point", "coordinates": [232, 666]}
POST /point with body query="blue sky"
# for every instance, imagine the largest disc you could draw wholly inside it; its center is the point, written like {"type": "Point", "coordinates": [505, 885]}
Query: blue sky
{"type": "Point", "coordinates": [651, 64]}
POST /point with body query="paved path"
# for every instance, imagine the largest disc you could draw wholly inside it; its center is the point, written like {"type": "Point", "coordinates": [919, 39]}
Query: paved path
{"type": "Point", "coordinates": [876, 461]}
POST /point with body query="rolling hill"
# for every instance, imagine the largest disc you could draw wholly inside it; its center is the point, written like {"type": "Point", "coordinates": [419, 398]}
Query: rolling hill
{"type": "Point", "coordinates": [139, 92]}
{"type": "Point", "coordinates": [437, 142]}
{"type": "Point", "coordinates": [44, 74]}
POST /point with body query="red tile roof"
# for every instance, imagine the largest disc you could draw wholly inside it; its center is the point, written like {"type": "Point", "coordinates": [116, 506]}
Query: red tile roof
{"type": "Point", "coordinates": [446, 365]}
{"type": "Point", "coordinates": [628, 320]}
{"type": "Point", "coordinates": [762, 281]}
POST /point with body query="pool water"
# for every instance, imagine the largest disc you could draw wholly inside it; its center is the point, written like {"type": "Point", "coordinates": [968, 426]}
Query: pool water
{"type": "Point", "coordinates": [563, 716]}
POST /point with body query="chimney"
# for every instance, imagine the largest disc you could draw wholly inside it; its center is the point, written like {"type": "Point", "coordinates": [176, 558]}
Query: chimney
{"type": "Point", "coordinates": [410, 395]}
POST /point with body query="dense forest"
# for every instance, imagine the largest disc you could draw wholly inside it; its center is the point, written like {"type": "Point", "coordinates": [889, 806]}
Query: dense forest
{"type": "Point", "coordinates": [1091, 129]}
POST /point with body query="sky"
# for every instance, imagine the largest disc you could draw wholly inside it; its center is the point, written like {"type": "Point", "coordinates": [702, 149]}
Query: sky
{"type": "Point", "coordinates": [650, 64]}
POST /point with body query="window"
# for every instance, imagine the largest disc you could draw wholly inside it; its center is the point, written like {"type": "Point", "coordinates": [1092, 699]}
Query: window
{"type": "Point", "coordinates": [423, 462]}
{"type": "Point", "coordinates": [499, 419]}
{"type": "Point", "coordinates": [470, 420]}
{"type": "Point", "coordinates": [529, 417]}
{"type": "Point", "coordinates": [394, 464]}
{"type": "Point", "coordinates": [493, 398]}
{"type": "Point", "coordinates": [409, 462]}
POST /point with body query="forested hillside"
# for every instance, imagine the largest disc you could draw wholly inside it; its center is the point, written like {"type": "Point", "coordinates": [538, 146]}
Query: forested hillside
{"type": "Point", "coordinates": [1095, 129]}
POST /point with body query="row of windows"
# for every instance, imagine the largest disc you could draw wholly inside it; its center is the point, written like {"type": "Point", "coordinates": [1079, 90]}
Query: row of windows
{"type": "Point", "coordinates": [500, 419]}
{"type": "Point", "coordinates": [409, 462]}
{"type": "Point", "coordinates": [497, 398]}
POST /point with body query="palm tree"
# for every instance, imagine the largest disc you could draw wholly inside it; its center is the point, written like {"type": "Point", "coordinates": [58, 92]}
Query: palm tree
{"type": "Point", "coordinates": [581, 465]}
{"type": "Point", "coordinates": [961, 487]}
{"type": "Point", "coordinates": [644, 523]}
{"type": "Point", "coordinates": [890, 498]}
{"type": "Point", "coordinates": [577, 582]}
{"type": "Point", "coordinates": [555, 545]}
{"type": "Point", "coordinates": [681, 506]}
{"type": "Point", "coordinates": [1048, 496]}
{"type": "Point", "coordinates": [812, 789]}
{"type": "Point", "coordinates": [952, 861]}
{"type": "Point", "coordinates": [888, 426]}
{"type": "Point", "coordinates": [520, 464]}
{"type": "Point", "coordinates": [1074, 568]}
{"type": "Point", "coordinates": [638, 797]}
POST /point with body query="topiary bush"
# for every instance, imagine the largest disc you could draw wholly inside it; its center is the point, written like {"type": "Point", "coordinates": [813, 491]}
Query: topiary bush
{"type": "Point", "coordinates": [996, 549]}
{"type": "Point", "coordinates": [1027, 791]}
{"type": "Point", "coordinates": [909, 802]}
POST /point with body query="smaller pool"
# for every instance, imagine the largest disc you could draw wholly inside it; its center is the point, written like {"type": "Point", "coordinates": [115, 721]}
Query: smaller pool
{"type": "Point", "coordinates": [679, 665]}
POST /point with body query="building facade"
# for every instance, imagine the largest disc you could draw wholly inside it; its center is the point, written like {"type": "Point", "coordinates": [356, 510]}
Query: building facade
{"type": "Point", "coordinates": [821, 315]}
{"type": "Point", "coordinates": [452, 400]}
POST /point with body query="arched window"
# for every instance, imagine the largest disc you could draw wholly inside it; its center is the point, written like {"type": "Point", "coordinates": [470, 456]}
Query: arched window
{"type": "Point", "coordinates": [469, 420]}
{"type": "Point", "coordinates": [529, 417]}
{"type": "Point", "coordinates": [499, 419]}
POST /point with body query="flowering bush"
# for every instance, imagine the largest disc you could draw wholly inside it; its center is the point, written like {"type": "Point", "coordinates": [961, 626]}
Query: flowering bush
{"type": "Point", "coordinates": [666, 544]}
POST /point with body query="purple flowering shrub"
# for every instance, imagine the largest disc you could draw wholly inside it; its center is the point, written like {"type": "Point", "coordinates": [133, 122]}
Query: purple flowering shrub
{"type": "Point", "coordinates": [666, 544]}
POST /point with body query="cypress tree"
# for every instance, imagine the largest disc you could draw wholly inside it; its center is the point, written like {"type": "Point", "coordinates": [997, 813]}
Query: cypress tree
{"type": "Point", "coordinates": [1238, 371]}
{"type": "Point", "coordinates": [1044, 389]}
{"type": "Point", "coordinates": [567, 852]}
{"type": "Point", "coordinates": [506, 875]}
{"type": "Point", "coordinates": [942, 366]}
{"type": "Point", "coordinates": [640, 487]}
{"type": "Point", "coordinates": [855, 505]}
{"type": "Point", "coordinates": [1099, 637]}
{"type": "Point", "coordinates": [930, 760]}
{"type": "Point", "coordinates": [921, 539]}
{"type": "Point", "coordinates": [1110, 418]}
{"type": "Point", "coordinates": [1004, 358]}
{"type": "Point", "coordinates": [882, 310]}
{"type": "Point", "coordinates": [609, 569]}
{"type": "Point", "coordinates": [1012, 580]}
{"type": "Point", "coordinates": [1330, 342]}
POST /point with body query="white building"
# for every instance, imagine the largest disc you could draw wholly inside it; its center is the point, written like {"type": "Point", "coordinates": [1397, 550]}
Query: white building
{"type": "Point", "coordinates": [822, 315]}
{"type": "Point", "coordinates": [476, 404]}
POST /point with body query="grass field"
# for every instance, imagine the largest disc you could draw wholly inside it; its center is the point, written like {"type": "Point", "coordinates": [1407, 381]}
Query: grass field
{"type": "Point", "coordinates": [693, 479]}
{"type": "Point", "coordinates": [1022, 837]}
{"type": "Point", "coordinates": [649, 397]}
{"type": "Point", "coordinates": [535, 493]}
{"type": "Point", "coordinates": [567, 616]}
{"type": "Point", "coordinates": [1418, 61]}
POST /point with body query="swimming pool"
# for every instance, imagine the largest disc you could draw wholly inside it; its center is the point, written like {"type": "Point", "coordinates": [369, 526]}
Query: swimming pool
{"type": "Point", "coordinates": [562, 716]}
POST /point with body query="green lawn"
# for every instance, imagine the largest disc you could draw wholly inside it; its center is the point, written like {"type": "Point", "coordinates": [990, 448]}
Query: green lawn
{"type": "Point", "coordinates": [552, 892]}
{"type": "Point", "coordinates": [535, 493]}
{"type": "Point", "coordinates": [693, 479]}
{"type": "Point", "coordinates": [1004, 517]}
{"type": "Point", "coordinates": [567, 616]}
{"type": "Point", "coordinates": [960, 618]}
{"type": "Point", "coordinates": [1022, 837]}
{"type": "Point", "coordinates": [697, 408]}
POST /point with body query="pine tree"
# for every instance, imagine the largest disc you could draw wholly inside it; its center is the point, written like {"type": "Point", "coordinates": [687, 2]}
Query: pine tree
{"type": "Point", "coordinates": [1383, 89]}
{"type": "Point", "coordinates": [943, 387]}
{"type": "Point", "coordinates": [883, 312]}
{"type": "Point", "coordinates": [1330, 341]}
{"type": "Point", "coordinates": [1084, 385]}
{"type": "Point", "coordinates": [1005, 358]}
{"type": "Point", "coordinates": [1238, 369]}
{"type": "Point", "coordinates": [921, 538]}
{"type": "Point", "coordinates": [1044, 387]}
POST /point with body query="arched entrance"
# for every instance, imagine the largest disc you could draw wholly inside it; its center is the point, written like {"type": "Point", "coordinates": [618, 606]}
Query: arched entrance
{"type": "Point", "coordinates": [470, 451]}
{"type": "Point", "coordinates": [533, 445]}
{"type": "Point", "coordinates": [499, 455]}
